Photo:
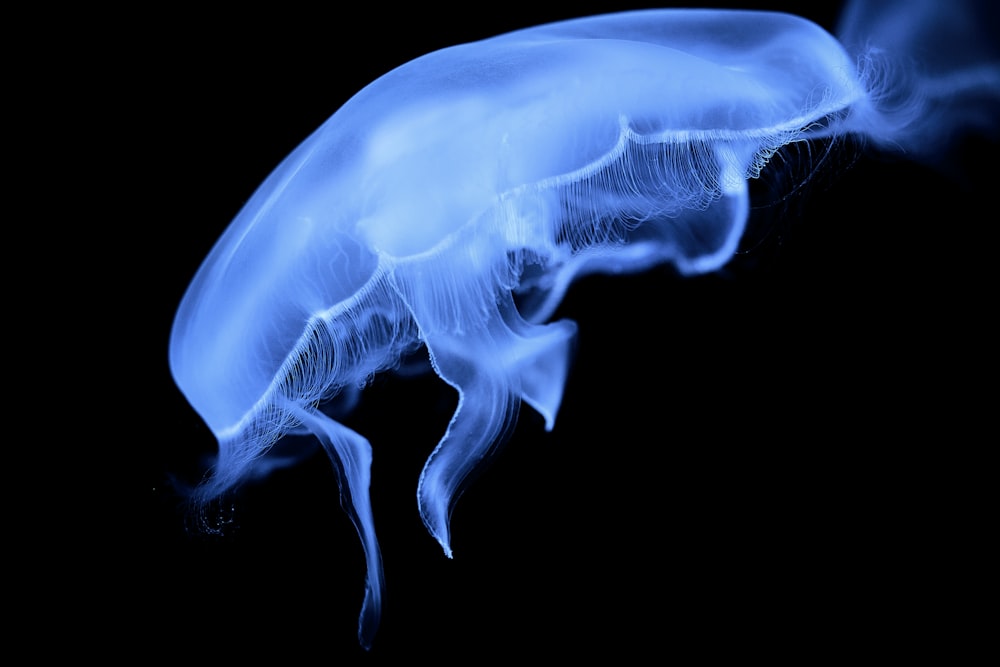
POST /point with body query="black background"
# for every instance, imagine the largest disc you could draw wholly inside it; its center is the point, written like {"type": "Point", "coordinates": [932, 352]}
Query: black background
{"type": "Point", "coordinates": [748, 462]}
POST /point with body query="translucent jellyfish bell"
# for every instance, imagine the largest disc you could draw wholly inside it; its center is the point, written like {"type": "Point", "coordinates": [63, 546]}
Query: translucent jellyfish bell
{"type": "Point", "coordinates": [449, 204]}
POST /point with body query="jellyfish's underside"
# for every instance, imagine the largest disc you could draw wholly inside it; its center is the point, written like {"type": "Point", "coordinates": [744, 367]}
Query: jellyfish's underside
{"type": "Point", "coordinates": [449, 205]}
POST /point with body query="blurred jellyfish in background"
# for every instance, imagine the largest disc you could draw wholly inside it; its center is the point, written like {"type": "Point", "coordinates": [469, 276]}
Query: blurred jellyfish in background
{"type": "Point", "coordinates": [445, 209]}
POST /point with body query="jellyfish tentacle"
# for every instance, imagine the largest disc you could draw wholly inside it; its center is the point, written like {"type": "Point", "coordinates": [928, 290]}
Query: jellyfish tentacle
{"type": "Point", "coordinates": [540, 358]}
{"type": "Point", "coordinates": [351, 455]}
{"type": "Point", "coordinates": [493, 367]}
{"type": "Point", "coordinates": [483, 420]}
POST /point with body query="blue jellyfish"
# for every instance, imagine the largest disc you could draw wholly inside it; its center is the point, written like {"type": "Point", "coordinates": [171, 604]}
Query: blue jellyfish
{"type": "Point", "coordinates": [445, 209]}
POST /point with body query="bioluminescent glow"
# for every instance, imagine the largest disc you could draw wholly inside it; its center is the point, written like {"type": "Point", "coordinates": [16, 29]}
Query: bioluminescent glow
{"type": "Point", "coordinates": [448, 205]}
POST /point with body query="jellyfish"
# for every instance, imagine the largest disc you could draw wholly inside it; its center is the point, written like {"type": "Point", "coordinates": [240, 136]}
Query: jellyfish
{"type": "Point", "coordinates": [447, 207]}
